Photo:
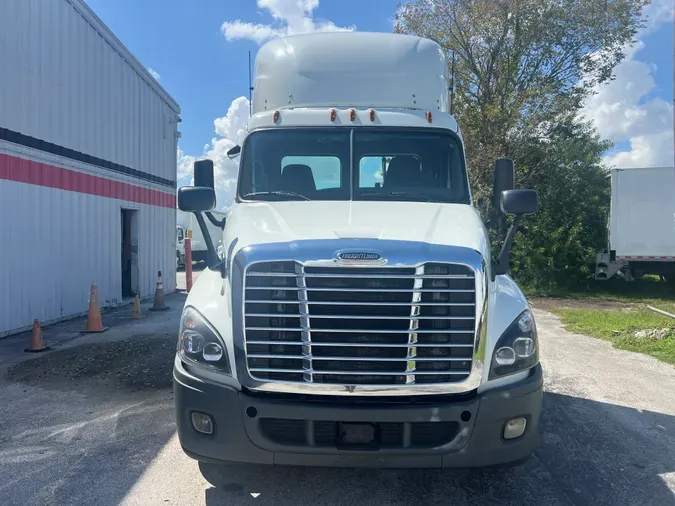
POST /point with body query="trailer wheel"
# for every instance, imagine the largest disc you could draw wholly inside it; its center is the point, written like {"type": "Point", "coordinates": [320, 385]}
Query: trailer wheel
{"type": "Point", "coordinates": [637, 272]}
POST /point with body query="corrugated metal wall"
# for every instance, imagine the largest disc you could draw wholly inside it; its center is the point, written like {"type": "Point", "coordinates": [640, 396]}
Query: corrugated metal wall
{"type": "Point", "coordinates": [57, 242]}
{"type": "Point", "coordinates": [61, 81]}
{"type": "Point", "coordinates": [84, 132]}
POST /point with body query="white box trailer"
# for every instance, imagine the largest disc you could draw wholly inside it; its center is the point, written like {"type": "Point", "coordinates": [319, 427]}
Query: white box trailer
{"type": "Point", "coordinates": [641, 224]}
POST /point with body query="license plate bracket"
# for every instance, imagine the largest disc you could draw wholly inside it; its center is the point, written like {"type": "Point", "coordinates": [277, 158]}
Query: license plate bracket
{"type": "Point", "coordinates": [358, 435]}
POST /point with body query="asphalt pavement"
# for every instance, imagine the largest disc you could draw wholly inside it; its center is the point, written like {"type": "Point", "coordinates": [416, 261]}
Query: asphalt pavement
{"type": "Point", "coordinates": [91, 422]}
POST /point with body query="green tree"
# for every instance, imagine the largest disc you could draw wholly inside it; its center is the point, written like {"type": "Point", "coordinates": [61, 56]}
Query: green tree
{"type": "Point", "coordinates": [522, 71]}
{"type": "Point", "coordinates": [558, 244]}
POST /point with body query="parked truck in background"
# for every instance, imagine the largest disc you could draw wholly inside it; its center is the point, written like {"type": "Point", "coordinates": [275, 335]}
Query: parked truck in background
{"type": "Point", "coordinates": [186, 221]}
{"type": "Point", "coordinates": [641, 225]}
{"type": "Point", "coordinates": [359, 317]}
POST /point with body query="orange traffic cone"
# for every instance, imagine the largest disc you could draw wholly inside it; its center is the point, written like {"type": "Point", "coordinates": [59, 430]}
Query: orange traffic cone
{"type": "Point", "coordinates": [37, 344]}
{"type": "Point", "coordinates": [159, 295]}
{"type": "Point", "coordinates": [94, 323]}
{"type": "Point", "coordinates": [136, 314]}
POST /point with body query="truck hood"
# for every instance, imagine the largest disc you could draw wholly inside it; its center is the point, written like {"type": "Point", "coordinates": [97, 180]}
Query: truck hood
{"type": "Point", "coordinates": [443, 224]}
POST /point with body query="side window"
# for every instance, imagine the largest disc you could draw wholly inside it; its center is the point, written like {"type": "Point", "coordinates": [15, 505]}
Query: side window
{"type": "Point", "coordinates": [326, 170]}
{"type": "Point", "coordinates": [372, 170]}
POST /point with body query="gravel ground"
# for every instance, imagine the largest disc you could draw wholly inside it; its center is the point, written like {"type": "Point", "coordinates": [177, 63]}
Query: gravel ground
{"type": "Point", "coordinates": [548, 303]}
{"type": "Point", "coordinates": [91, 422]}
{"type": "Point", "coordinates": [122, 366]}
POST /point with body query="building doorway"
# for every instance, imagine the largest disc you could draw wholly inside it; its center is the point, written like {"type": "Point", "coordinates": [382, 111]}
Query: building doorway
{"type": "Point", "coordinates": [129, 253]}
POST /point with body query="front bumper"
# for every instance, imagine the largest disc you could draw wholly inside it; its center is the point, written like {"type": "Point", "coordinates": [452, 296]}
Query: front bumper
{"type": "Point", "coordinates": [240, 434]}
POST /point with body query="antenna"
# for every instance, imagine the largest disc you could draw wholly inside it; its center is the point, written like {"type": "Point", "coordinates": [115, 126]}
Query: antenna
{"type": "Point", "coordinates": [250, 86]}
{"type": "Point", "coordinates": [452, 82]}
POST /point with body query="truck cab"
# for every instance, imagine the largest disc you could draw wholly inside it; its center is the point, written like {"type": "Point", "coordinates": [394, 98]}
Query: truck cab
{"type": "Point", "coordinates": [357, 315]}
{"type": "Point", "coordinates": [181, 234]}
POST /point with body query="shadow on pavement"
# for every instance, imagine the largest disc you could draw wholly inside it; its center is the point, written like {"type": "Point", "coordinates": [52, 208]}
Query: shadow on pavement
{"type": "Point", "coordinates": [590, 453]}
{"type": "Point", "coordinates": [86, 420]}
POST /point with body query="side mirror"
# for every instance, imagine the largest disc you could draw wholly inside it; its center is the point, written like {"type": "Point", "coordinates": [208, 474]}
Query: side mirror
{"type": "Point", "coordinates": [203, 170]}
{"type": "Point", "coordinates": [201, 198]}
{"type": "Point", "coordinates": [504, 179]}
{"type": "Point", "coordinates": [519, 202]}
{"type": "Point", "coordinates": [196, 199]}
{"type": "Point", "coordinates": [233, 152]}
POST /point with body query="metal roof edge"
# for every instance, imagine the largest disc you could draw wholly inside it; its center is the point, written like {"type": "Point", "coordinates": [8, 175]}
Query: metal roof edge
{"type": "Point", "coordinates": [344, 106]}
{"type": "Point", "coordinates": [96, 22]}
{"type": "Point", "coordinates": [658, 167]}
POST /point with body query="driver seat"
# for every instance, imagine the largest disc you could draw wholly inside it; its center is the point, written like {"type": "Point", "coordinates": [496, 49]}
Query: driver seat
{"type": "Point", "coordinates": [298, 178]}
{"type": "Point", "coordinates": [403, 171]}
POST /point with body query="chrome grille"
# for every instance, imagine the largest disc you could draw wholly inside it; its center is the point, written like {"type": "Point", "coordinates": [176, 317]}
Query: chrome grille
{"type": "Point", "coordinates": [359, 325]}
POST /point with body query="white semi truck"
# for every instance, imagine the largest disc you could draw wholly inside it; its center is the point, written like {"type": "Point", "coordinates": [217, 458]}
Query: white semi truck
{"type": "Point", "coordinates": [359, 317]}
{"type": "Point", "coordinates": [186, 221]}
{"type": "Point", "coordinates": [641, 225]}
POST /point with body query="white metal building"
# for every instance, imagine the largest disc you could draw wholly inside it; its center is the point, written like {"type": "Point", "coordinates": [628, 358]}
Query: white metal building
{"type": "Point", "coordinates": [87, 166]}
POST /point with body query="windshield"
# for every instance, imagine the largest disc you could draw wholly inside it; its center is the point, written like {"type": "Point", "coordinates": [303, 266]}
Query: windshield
{"type": "Point", "coordinates": [353, 164]}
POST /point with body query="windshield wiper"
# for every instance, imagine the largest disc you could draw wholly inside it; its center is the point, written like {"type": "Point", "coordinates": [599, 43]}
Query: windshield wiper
{"type": "Point", "coordinates": [398, 194]}
{"type": "Point", "coordinates": [281, 193]}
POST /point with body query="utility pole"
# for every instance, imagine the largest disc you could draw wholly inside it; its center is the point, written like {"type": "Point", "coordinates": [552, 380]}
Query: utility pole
{"type": "Point", "coordinates": [452, 83]}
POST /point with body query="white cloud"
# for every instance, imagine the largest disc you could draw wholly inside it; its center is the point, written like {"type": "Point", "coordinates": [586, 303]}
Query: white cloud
{"type": "Point", "coordinates": [154, 74]}
{"type": "Point", "coordinates": [653, 150]}
{"type": "Point", "coordinates": [626, 109]}
{"type": "Point", "coordinates": [231, 126]}
{"type": "Point", "coordinates": [291, 17]}
{"type": "Point", "coordinates": [230, 130]}
{"type": "Point", "coordinates": [656, 14]}
{"type": "Point", "coordinates": [184, 165]}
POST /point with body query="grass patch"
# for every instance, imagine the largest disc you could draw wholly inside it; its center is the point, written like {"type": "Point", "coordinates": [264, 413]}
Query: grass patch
{"type": "Point", "coordinates": [619, 325]}
{"type": "Point", "coordinates": [663, 349]}
{"type": "Point", "coordinates": [648, 290]}
{"type": "Point", "coordinates": [605, 323]}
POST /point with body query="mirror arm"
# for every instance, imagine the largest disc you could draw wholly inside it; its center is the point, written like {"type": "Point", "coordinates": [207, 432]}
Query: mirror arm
{"type": "Point", "coordinates": [216, 223]}
{"type": "Point", "coordinates": [501, 264]}
{"type": "Point", "coordinates": [212, 254]}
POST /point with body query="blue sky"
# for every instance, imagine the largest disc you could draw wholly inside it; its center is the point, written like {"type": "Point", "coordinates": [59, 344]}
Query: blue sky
{"type": "Point", "coordinates": [203, 64]}
{"type": "Point", "coordinates": [183, 42]}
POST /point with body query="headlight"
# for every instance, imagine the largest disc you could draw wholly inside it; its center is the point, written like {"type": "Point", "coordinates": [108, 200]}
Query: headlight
{"type": "Point", "coordinates": [198, 343]}
{"type": "Point", "coordinates": [517, 348]}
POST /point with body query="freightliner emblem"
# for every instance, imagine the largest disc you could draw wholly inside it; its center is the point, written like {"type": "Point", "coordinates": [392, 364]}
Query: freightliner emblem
{"type": "Point", "coordinates": [359, 255]}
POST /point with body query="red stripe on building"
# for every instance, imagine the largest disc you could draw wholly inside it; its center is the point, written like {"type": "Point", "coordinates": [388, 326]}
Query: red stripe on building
{"type": "Point", "coordinates": [21, 170]}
